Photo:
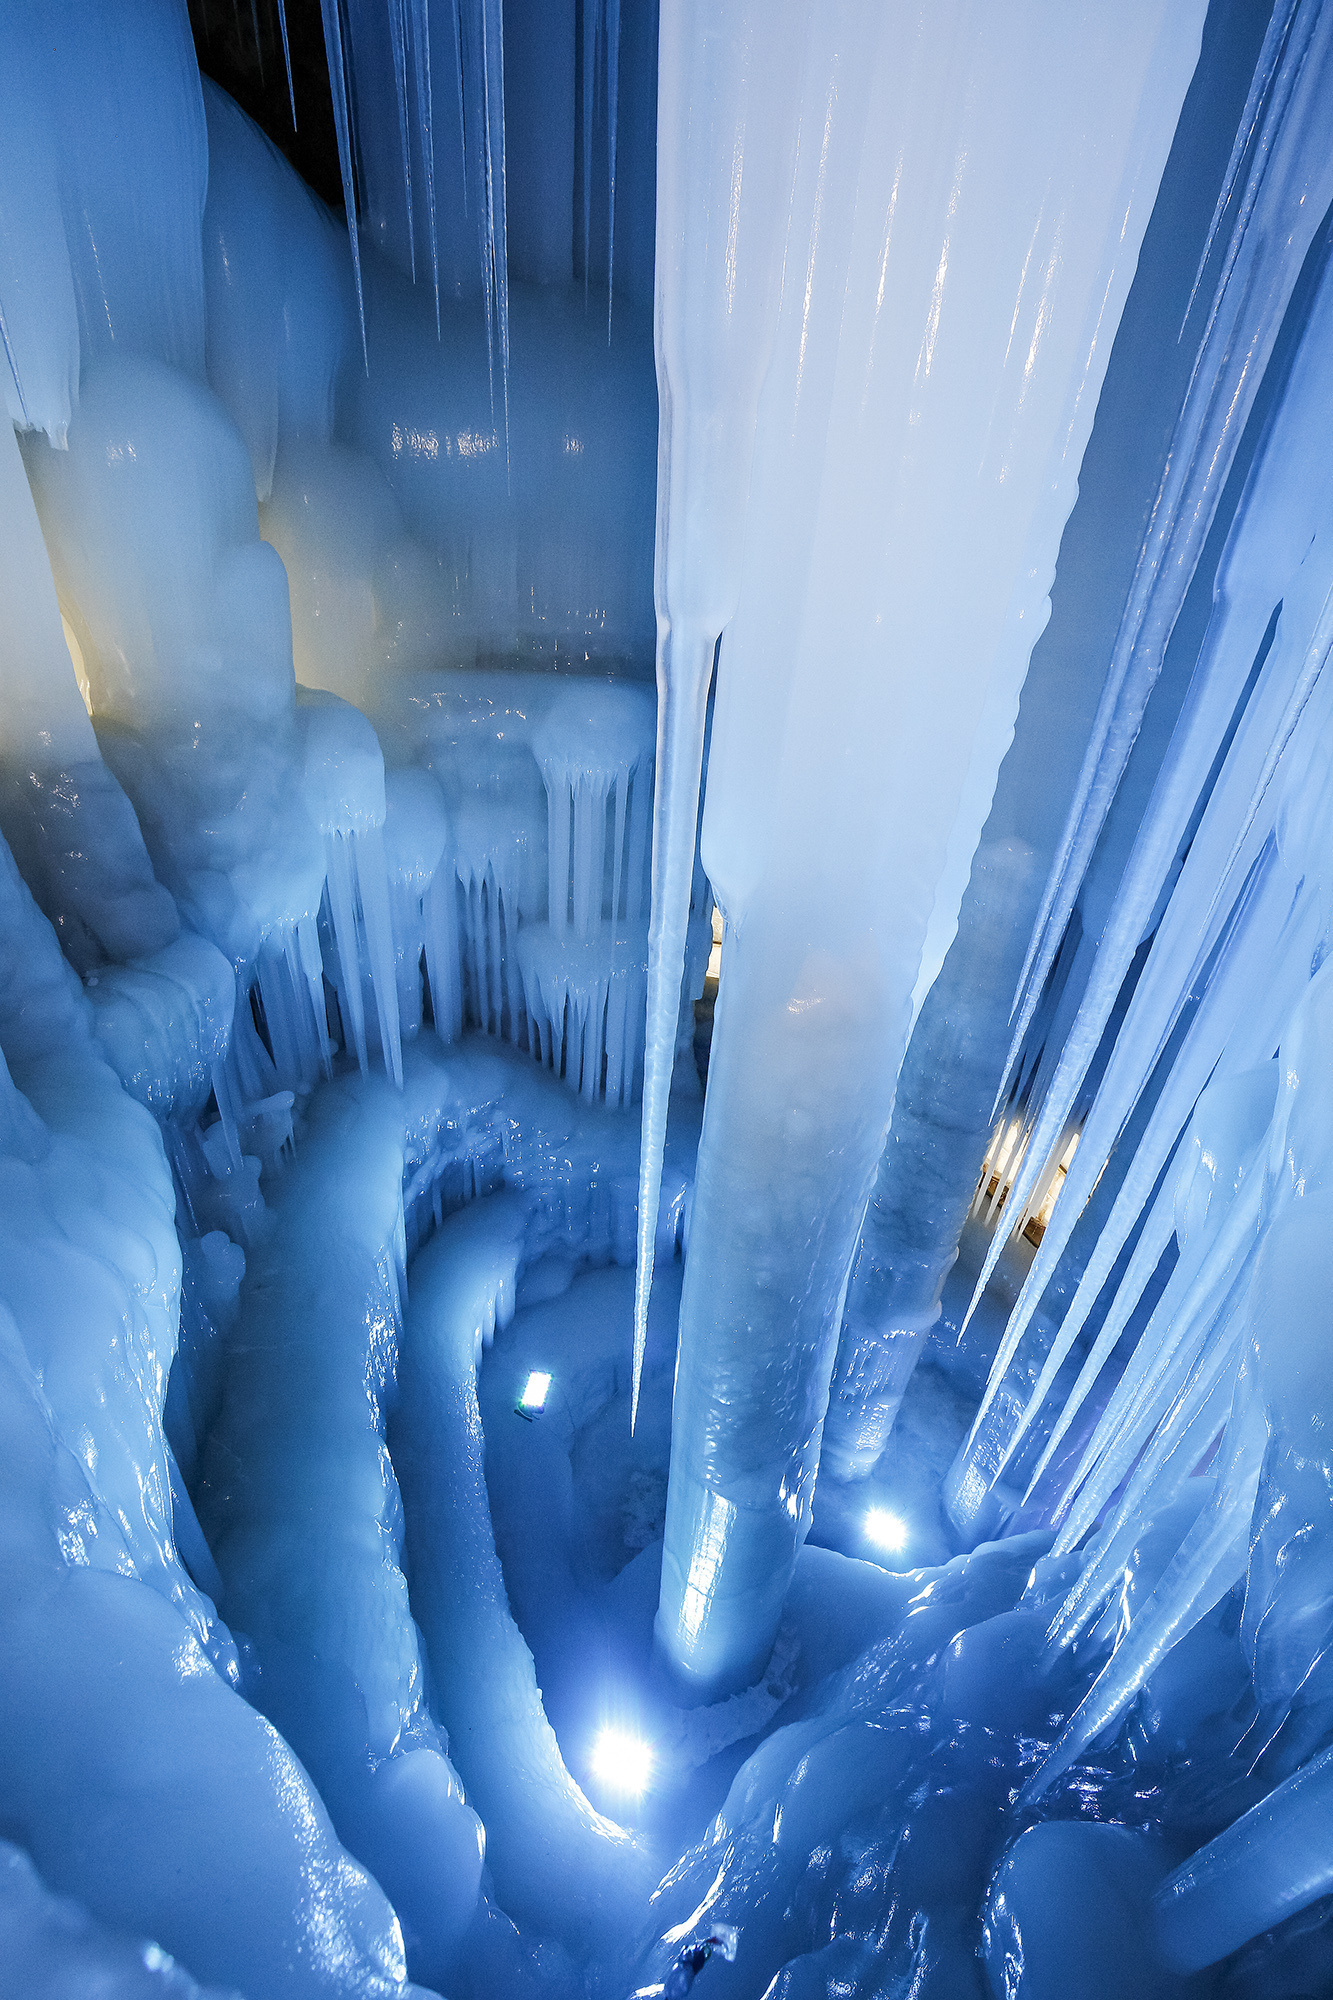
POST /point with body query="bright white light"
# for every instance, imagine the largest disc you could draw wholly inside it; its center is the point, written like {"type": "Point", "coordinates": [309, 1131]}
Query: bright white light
{"type": "Point", "coordinates": [886, 1531]}
{"type": "Point", "coordinates": [533, 1400]}
{"type": "Point", "coordinates": [622, 1761]}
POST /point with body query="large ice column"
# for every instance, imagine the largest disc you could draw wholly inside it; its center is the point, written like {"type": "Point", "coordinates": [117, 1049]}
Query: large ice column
{"type": "Point", "coordinates": [956, 270]}
{"type": "Point", "coordinates": [727, 113]}
{"type": "Point", "coordinates": [111, 1661]}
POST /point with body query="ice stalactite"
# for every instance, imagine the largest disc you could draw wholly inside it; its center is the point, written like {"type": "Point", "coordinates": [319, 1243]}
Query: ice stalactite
{"type": "Point", "coordinates": [490, 862]}
{"type": "Point", "coordinates": [1231, 1331]}
{"type": "Point", "coordinates": [449, 127]}
{"type": "Point", "coordinates": [584, 971]}
{"type": "Point", "coordinates": [1288, 187]}
{"type": "Point", "coordinates": [860, 473]}
{"type": "Point", "coordinates": [411, 534]}
{"type": "Point", "coordinates": [416, 832]}
{"type": "Point", "coordinates": [728, 105]}
{"type": "Point", "coordinates": [345, 796]}
{"type": "Point", "coordinates": [1268, 1864]}
{"type": "Point", "coordinates": [1263, 1867]}
{"type": "Point", "coordinates": [1232, 894]}
{"type": "Point", "coordinates": [163, 1022]}
{"type": "Point", "coordinates": [585, 1000]}
{"type": "Point", "coordinates": [340, 92]}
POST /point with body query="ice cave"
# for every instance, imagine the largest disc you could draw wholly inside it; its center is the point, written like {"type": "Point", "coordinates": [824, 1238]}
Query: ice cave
{"type": "Point", "coordinates": [666, 1117]}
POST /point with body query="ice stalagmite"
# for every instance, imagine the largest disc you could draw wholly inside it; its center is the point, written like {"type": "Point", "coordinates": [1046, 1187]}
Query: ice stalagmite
{"type": "Point", "coordinates": [728, 101]}
{"type": "Point", "coordinates": [853, 677]}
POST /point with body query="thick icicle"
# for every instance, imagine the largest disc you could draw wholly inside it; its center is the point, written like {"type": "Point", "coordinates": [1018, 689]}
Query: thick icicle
{"type": "Point", "coordinates": [727, 93]}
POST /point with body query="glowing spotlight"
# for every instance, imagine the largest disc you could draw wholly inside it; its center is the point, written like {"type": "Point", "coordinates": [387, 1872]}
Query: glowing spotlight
{"type": "Point", "coordinates": [886, 1531]}
{"type": "Point", "coordinates": [622, 1762]}
{"type": "Point", "coordinates": [533, 1400]}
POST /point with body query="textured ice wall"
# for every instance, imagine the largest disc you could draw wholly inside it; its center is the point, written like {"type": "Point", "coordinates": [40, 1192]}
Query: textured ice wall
{"type": "Point", "coordinates": [135, 1775]}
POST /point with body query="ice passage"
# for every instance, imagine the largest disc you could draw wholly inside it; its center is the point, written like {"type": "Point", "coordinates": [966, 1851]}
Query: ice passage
{"type": "Point", "coordinates": [666, 1118]}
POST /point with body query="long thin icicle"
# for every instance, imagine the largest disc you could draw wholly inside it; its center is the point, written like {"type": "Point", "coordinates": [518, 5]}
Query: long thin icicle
{"type": "Point", "coordinates": [1265, 73]}
{"type": "Point", "coordinates": [612, 113]}
{"type": "Point", "coordinates": [1230, 1027]}
{"type": "Point", "coordinates": [287, 57]}
{"type": "Point", "coordinates": [342, 119]}
{"type": "Point", "coordinates": [419, 25]}
{"type": "Point", "coordinates": [398, 45]}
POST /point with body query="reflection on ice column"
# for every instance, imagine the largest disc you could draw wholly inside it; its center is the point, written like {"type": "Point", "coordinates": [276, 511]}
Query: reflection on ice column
{"type": "Point", "coordinates": [954, 274]}
{"type": "Point", "coordinates": [726, 101]}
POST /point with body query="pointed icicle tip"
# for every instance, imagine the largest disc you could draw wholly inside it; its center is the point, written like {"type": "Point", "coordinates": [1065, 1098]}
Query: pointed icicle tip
{"type": "Point", "coordinates": [287, 57]}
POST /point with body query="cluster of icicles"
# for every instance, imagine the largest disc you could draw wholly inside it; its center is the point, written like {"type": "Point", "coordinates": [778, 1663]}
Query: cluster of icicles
{"type": "Point", "coordinates": [451, 137]}
{"type": "Point", "coordinates": [422, 907]}
{"type": "Point", "coordinates": [1217, 934]}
